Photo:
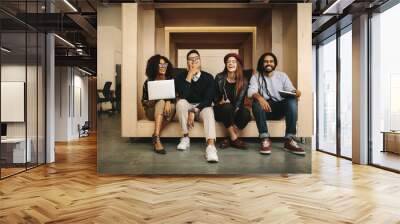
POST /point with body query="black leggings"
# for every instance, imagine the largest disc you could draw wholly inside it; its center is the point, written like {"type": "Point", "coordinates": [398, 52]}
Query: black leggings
{"type": "Point", "coordinates": [225, 113]}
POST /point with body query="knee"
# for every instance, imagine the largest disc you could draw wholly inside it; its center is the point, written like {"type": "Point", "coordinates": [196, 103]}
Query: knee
{"type": "Point", "coordinates": [181, 105]}
{"type": "Point", "coordinates": [291, 104]}
{"type": "Point", "coordinates": [227, 108]}
{"type": "Point", "coordinates": [256, 107]}
{"type": "Point", "coordinates": [207, 110]}
{"type": "Point", "coordinates": [207, 113]}
{"type": "Point", "coordinates": [160, 104]}
{"type": "Point", "coordinates": [245, 114]}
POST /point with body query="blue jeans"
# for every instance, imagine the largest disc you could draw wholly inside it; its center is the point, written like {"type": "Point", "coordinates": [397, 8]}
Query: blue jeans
{"type": "Point", "coordinates": [286, 108]}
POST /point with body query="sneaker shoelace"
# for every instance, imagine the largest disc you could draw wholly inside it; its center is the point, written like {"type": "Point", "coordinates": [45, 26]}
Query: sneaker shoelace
{"type": "Point", "coordinates": [184, 139]}
{"type": "Point", "coordinates": [265, 143]}
{"type": "Point", "coordinates": [294, 143]}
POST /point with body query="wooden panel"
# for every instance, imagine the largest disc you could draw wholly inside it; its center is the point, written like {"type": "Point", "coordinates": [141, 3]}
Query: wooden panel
{"type": "Point", "coordinates": [146, 48]}
{"type": "Point", "coordinates": [146, 127]}
{"type": "Point", "coordinates": [304, 70]}
{"type": "Point", "coordinates": [170, 30]}
{"type": "Point", "coordinates": [277, 35]}
{"type": "Point", "coordinates": [290, 25]}
{"type": "Point", "coordinates": [211, 17]}
{"type": "Point", "coordinates": [92, 98]}
{"type": "Point", "coordinates": [129, 69]}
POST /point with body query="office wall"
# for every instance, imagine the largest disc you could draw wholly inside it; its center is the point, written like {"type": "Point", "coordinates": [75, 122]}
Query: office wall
{"type": "Point", "coordinates": [16, 73]}
{"type": "Point", "coordinates": [71, 102]}
{"type": "Point", "coordinates": [211, 59]}
{"type": "Point", "coordinates": [108, 43]}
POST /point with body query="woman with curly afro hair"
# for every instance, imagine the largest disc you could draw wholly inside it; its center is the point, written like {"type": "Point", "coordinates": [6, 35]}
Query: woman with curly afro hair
{"type": "Point", "coordinates": [160, 111]}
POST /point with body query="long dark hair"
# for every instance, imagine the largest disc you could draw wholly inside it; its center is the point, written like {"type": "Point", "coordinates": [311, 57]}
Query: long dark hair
{"type": "Point", "coordinates": [240, 80]}
{"type": "Point", "coordinates": [260, 63]}
{"type": "Point", "coordinates": [152, 67]}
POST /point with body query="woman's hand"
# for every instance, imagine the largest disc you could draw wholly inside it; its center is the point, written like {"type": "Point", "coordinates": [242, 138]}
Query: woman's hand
{"type": "Point", "coordinates": [167, 108]}
{"type": "Point", "coordinates": [223, 101]}
{"type": "Point", "coordinates": [149, 103]}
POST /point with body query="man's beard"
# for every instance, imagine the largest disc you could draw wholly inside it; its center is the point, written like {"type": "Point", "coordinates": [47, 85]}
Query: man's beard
{"type": "Point", "coordinates": [269, 68]}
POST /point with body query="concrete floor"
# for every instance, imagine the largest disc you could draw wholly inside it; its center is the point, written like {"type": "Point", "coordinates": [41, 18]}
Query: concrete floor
{"type": "Point", "coordinates": [118, 155]}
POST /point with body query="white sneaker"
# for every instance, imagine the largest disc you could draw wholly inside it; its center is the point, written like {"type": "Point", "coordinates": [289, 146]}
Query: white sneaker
{"type": "Point", "coordinates": [184, 144]}
{"type": "Point", "coordinates": [211, 154]}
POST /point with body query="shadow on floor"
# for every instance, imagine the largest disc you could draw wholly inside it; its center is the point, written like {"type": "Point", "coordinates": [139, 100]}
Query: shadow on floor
{"type": "Point", "coordinates": [118, 155]}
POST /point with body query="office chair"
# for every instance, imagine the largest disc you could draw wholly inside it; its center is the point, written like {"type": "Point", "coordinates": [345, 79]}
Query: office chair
{"type": "Point", "coordinates": [84, 130]}
{"type": "Point", "coordinates": [107, 96]}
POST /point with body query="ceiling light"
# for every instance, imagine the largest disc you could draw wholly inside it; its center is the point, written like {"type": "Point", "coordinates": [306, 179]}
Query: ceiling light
{"type": "Point", "coordinates": [64, 40]}
{"type": "Point", "coordinates": [84, 71]}
{"type": "Point", "coordinates": [337, 7]}
{"type": "Point", "coordinates": [5, 50]}
{"type": "Point", "coordinates": [70, 5]}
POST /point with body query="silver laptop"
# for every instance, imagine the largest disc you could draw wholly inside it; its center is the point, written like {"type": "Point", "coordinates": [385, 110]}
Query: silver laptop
{"type": "Point", "coordinates": [161, 89]}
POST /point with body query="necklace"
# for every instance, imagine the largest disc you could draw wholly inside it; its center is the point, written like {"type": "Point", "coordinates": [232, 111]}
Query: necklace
{"type": "Point", "coordinates": [230, 80]}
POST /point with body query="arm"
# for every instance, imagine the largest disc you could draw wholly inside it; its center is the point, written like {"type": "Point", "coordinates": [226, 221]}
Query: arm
{"type": "Point", "coordinates": [218, 94]}
{"type": "Point", "coordinates": [145, 96]}
{"type": "Point", "coordinates": [287, 84]}
{"type": "Point", "coordinates": [209, 94]}
{"type": "Point", "coordinates": [253, 93]}
{"type": "Point", "coordinates": [241, 96]}
{"type": "Point", "coordinates": [253, 87]}
{"type": "Point", "coordinates": [182, 86]}
{"type": "Point", "coordinates": [174, 99]}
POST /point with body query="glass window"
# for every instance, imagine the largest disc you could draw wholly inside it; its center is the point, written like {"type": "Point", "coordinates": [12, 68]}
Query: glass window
{"type": "Point", "coordinates": [385, 88]}
{"type": "Point", "coordinates": [15, 149]}
{"type": "Point", "coordinates": [22, 92]}
{"type": "Point", "coordinates": [346, 94]}
{"type": "Point", "coordinates": [327, 96]}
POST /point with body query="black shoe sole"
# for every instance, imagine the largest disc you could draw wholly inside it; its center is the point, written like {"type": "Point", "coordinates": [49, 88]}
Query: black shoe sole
{"type": "Point", "coordinates": [163, 152]}
{"type": "Point", "coordinates": [296, 153]}
{"type": "Point", "coordinates": [268, 153]}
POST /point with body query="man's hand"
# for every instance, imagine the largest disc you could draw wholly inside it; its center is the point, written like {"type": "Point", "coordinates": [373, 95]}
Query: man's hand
{"type": "Point", "coordinates": [190, 121]}
{"type": "Point", "coordinates": [167, 108]}
{"type": "Point", "coordinates": [298, 93]}
{"type": "Point", "coordinates": [264, 104]}
{"type": "Point", "coordinates": [194, 68]}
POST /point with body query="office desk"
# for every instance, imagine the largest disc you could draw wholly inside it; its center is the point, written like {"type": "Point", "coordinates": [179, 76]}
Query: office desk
{"type": "Point", "coordinates": [13, 150]}
{"type": "Point", "coordinates": [391, 141]}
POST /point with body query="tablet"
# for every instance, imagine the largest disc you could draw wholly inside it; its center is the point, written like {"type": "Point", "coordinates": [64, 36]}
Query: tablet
{"type": "Point", "coordinates": [287, 93]}
{"type": "Point", "coordinates": [161, 89]}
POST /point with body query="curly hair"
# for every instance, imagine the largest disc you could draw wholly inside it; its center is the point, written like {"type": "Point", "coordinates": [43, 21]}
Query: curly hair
{"type": "Point", "coordinates": [260, 64]}
{"type": "Point", "coordinates": [152, 67]}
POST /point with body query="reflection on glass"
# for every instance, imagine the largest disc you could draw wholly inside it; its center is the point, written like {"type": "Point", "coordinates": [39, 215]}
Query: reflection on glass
{"type": "Point", "coordinates": [31, 97]}
{"type": "Point", "coordinates": [385, 84]}
{"type": "Point", "coordinates": [346, 94]}
{"type": "Point", "coordinates": [41, 98]}
{"type": "Point", "coordinates": [327, 97]}
{"type": "Point", "coordinates": [22, 91]}
{"type": "Point", "coordinates": [13, 84]}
